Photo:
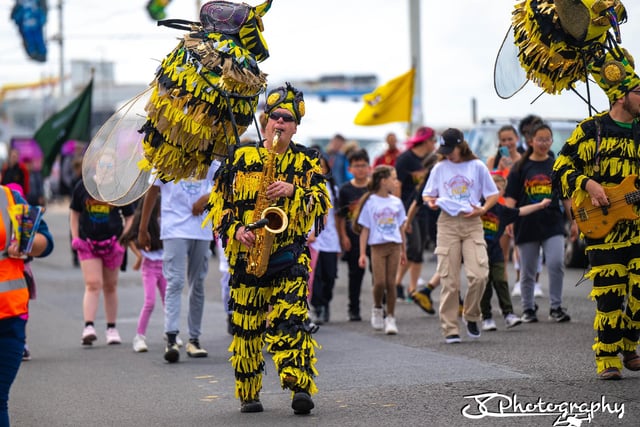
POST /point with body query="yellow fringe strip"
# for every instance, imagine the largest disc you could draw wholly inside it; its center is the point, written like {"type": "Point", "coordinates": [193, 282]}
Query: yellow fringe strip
{"type": "Point", "coordinates": [596, 291]}
{"type": "Point", "coordinates": [603, 363]}
{"type": "Point", "coordinates": [599, 347]}
{"type": "Point", "coordinates": [611, 319]}
{"type": "Point", "coordinates": [628, 345]}
{"type": "Point", "coordinates": [304, 380]}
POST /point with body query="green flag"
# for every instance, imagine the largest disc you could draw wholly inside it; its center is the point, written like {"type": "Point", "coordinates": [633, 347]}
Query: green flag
{"type": "Point", "coordinates": [73, 122]}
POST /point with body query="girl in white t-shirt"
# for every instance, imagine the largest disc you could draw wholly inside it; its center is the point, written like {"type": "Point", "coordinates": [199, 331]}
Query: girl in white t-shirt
{"type": "Point", "coordinates": [382, 218]}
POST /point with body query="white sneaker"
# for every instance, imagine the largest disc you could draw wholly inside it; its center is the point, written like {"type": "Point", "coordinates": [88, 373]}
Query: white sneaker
{"type": "Point", "coordinates": [390, 327]}
{"type": "Point", "coordinates": [516, 289]}
{"type": "Point", "coordinates": [489, 325]}
{"type": "Point", "coordinates": [377, 319]}
{"type": "Point", "coordinates": [512, 320]}
{"type": "Point", "coordinates": [113, 337]}
{"type": "Point", "coordinates": [89, 335]}
{"type": "Point", "coordinates": [537, 290]}
{"type": "Point", "coordinates": [139, 344]}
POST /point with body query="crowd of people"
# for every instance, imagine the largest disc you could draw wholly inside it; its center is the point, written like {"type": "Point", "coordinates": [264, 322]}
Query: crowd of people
{"type": "Point", "coordinates": [385, 215]}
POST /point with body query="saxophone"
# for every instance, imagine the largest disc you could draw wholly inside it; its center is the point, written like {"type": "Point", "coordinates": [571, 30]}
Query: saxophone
{"type": "Point", "coordinates": [276, 218]}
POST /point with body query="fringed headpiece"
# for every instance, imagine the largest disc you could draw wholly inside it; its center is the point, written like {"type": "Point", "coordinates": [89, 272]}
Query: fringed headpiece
{"type": "Point", "coordinates": [287, 97]}
{"type": "Point", "coordinates": [614, 72]}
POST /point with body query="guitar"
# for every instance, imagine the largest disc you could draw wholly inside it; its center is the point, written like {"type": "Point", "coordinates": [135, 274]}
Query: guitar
{"type": "Point", "coordinates": [595, 222]}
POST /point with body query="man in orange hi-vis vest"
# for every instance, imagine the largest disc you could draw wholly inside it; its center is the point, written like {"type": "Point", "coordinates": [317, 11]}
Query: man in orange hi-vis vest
{"type": "Point", "coordinates": [14, 294]}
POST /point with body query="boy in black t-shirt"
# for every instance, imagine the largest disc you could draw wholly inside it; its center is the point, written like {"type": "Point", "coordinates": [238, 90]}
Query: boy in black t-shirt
{"type": "Point", "coordinates": [349, 195]}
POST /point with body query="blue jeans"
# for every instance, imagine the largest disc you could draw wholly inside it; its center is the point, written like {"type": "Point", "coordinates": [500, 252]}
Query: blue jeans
{"type": "Point", "coordinates": [190, 258]}
{"type": "Point", "coordinates": [12, 338]}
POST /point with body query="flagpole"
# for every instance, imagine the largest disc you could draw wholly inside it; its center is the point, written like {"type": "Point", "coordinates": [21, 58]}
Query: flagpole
{"type": "Point", "coordinates": [416, 61]}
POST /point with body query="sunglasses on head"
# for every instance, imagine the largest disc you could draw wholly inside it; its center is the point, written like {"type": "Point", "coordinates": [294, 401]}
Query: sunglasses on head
{"type": "Point", "coordinates": [285, 117]}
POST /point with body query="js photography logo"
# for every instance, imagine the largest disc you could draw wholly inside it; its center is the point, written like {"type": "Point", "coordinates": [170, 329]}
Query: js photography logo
{"type": "Point", "coordinates": [571, 414]}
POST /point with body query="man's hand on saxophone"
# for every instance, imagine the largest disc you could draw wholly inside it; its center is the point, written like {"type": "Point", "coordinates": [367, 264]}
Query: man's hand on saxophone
{"type": "Point", "coordinates": [279, 189]}
{"type": "Point", "coordinates": [244, 236]}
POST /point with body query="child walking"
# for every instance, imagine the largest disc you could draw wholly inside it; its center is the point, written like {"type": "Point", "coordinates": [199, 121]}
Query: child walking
{"type": "Point", "coordinates": [149, 262]}
{"type": "Point", "coordinates": [382, 218]}
{"type": "Point", "coordinates": [494, 223]}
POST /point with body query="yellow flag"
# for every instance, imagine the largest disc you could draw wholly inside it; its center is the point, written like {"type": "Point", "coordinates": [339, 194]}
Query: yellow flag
{"type": "Point", "coordinates": [388, 103]}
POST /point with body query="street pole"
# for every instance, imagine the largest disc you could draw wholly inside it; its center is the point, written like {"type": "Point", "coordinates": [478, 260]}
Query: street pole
{"type": "Point", "coordinates": [416, 62]}
{"type": "Point", "coordinates": [61, 42]}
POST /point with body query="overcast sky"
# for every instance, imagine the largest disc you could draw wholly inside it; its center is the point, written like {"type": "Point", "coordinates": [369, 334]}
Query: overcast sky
{"type": "Point", "coordinates": [460, 40]}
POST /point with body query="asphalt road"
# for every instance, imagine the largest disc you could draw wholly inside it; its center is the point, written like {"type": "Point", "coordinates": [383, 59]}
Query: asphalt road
{"type": "Point", "coordinates": [537, 372]}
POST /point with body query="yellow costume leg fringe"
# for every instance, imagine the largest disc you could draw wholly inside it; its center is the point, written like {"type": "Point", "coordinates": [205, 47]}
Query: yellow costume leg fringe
{"type": "Point", "coordinates": [247, 359]}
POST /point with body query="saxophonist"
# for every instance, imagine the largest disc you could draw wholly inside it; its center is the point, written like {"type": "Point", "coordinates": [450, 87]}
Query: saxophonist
{"type": "Point", "coordinates": [273, 173]}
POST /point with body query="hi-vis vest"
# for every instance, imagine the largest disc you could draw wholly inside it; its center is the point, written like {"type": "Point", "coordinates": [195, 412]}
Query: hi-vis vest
{"type": "Point", "coordinates": [14, 294]}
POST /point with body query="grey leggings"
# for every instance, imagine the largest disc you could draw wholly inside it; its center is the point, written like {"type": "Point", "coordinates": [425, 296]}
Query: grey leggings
{"type": "Point", "coordinates": [553, 249]}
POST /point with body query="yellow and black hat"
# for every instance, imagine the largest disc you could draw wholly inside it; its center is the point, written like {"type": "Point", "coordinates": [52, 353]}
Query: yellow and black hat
{"type": "Point", "coordinates": [287, 97]}
{"type": "Point", "coordinates": [614, 72]}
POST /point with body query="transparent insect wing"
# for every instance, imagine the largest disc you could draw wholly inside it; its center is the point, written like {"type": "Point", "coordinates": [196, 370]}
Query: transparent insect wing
{"type": "Point", "coordinates": [110, 165]}
{"type": "Point", "coordinates": [508, 75]}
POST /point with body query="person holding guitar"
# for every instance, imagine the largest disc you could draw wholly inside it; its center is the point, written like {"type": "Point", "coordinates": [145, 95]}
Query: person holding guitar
{"type": "Point", "coordinates": [597, 168]}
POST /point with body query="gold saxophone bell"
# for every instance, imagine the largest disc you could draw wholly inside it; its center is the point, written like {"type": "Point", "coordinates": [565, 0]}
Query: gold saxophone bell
{"type": "Point", "coordinates": [277, 218]}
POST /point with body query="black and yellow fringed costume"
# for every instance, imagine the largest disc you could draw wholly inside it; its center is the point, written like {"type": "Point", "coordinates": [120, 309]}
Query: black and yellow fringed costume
{"type": "Point", "coordinates": [557, 39]}
{"type": "Point", "coordinates": [205, 90]}
{"type": "Point", "coordinates": [615, 259]}
{"type": "Point", "coordinates": [284, 287]}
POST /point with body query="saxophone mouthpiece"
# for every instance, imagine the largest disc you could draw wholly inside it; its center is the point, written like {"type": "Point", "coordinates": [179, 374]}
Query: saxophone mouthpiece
{"type": "Point", "coordinates": [258, 224]}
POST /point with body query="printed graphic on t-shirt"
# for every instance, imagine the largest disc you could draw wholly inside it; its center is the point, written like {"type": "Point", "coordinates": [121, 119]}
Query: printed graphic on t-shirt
{"type": "Point", "coordinates": [490, 225]}
{"type": "Point", "coordinates": [191, 187]}
{"type": "Point", "coordinates": [385, 221]}
{"type": "Point", "coordinates": [98, 212]}
{"type": "Point", "coordinates": [459, 188]}
{"type": "Point", "coordinates": [537, 187]}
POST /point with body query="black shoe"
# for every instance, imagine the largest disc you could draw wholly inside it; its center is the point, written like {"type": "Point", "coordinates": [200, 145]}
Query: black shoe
{"type": "Point", "coordinates": [400, 292]}
{"type": "Point", "coordinates": [529, 316]}
{"type": "Point", "coordinates": [354, 317]}
{"type": "Point", "coordinates": [325, 314]}
{"type": "Point", "coordinates": [172, 353]}
{"type": "Point", "coordinates": [302, 403]}
{"type": "Point", "coordinates": [559, 315]}
{"type": "Point", "coordinates": [251, 406]}
{"type": "Point", "coordinates": [317, 315]}
{"type": "Point", "coordinates": [452, 339]}
{"type": "Point", "coordinates": [472, 330]}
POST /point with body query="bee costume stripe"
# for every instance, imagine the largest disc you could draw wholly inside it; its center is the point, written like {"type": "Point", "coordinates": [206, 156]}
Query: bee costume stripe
{"type": "Point", "coordinates": [206, 90]}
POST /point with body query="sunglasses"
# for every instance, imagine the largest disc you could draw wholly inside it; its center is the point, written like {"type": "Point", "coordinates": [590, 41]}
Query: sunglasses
{"type": "Point", "coordinates": [285, 117]}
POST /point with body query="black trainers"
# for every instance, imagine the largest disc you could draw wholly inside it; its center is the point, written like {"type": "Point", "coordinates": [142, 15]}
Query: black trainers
{"type": "Point", "coordinates": [172, 353]}
{"type": "Point", "coordinates": [301, 403]}
{"type": "Point", "coordinates": [400, 292]}
{"type": "Point", "coordinates": [559, 315]}
{"type": "Point", "coordinates": [452, 339]}
{"type": "Point", "coordinates": [354, 317]}
{"type": "Point", "coordinates": [472, 329]}
{"type": "Point", "coordinates": [251, 406]}
{"type": "Point", "coordinates": [529, 316]}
